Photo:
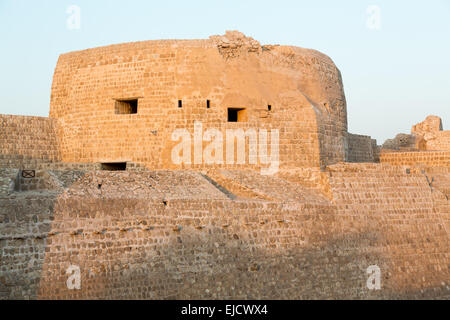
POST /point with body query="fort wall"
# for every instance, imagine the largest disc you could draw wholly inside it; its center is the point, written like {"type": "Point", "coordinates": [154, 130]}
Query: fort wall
{"type": "Point", "coordinates": [24, 138]}
{"type": "Point", "coordinates": [360, 148]}
{"type": "Point", "coordinates": [407, 212]}
{"type": "Point", "coordinates": [425, 158]}
{"type": "Point", "coordinates": [169, 245]}
{"type": "Point", "coordinates": [439, 141]}
{"type": "Point", "coordinates": [220, 231]}
{"type": "Point", "coordinates": [8, 178]}
{"type": "Point", "coordinates": [296, 91]}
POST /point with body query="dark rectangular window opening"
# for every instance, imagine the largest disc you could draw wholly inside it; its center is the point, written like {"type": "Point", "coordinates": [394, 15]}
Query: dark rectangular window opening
{"type": "Point", "coordinates": [237, 115]}
{"type": "Point", "coordinates": [114, 166]}
{"type": "Point", "coordinates": [180, 103]}
{"type": "Point", "coordinates": [269, 107]}
{"type": "Point", "coordinates": [127, 106]}
{"type": "Point", "coordinates": [208, 104]}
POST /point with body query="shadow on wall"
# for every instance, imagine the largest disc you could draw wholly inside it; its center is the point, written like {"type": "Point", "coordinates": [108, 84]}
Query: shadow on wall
{"type": "Point", "coordinates": [25, 228]}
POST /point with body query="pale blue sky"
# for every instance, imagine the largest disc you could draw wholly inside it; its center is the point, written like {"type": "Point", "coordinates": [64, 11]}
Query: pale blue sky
{"type": "Point", "coordinates": [393, 77]}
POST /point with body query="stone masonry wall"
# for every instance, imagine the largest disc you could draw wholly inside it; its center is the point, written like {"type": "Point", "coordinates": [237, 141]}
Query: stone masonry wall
{"type": "Point", "coordinates": [411, 218]}
{"type": "Point", "coordinates": [432, 135]}
{"type": "Point", "coordinates": [360, 148]}
{"type": "Point", "coordinates": [24, 225]}
{"type": "Point", "coordinates": [8, 178]}
{"type": "Point", "coordinates": [172, 247]}
{"type": "Point", "coordinates": [440, 141]}
{"type": "Point", "coordinates": [303, 88]}
{"type": "Point", "coordinates": [28, 137]}
{"type": "Point", "coordinates": [426, 158]}
{"type": "Point", "coordinates": [27, 163]}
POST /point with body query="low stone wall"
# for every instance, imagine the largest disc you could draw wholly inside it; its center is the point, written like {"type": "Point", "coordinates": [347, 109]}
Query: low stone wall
{"type": "Point", "coordinates": [360, 148]}
{"type": "Point", "coordinates": [426, 158]}
{"type": "Point", "coordinates": [28, 163]}
{"type": "Point", "coordinates": [168, 247]}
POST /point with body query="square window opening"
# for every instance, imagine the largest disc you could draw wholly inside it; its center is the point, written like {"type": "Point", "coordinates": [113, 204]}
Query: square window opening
{"type": "Point", "coordinates": [237, 115]}
{"type": "Point", "coordinates": [127, 106]}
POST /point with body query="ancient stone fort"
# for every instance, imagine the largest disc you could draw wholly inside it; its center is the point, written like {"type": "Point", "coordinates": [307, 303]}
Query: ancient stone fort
{"type": "Point", "coordinates": [95, 186]}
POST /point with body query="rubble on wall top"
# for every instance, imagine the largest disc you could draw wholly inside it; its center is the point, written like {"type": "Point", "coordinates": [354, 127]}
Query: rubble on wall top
{"type": "Point", "coordinates": [235, 41]}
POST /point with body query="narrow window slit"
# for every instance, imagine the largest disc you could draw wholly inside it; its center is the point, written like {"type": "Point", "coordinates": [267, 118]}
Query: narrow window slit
{"type": "Point", "coordinates": [114, 166]}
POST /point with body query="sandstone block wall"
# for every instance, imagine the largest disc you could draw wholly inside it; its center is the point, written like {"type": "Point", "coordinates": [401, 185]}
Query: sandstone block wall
{"type": "Point", "coordinates": [24, 137]}
{"type": "Point", "coordinates": [8, 178]}
{"type": "Point", "coordinates": [303, 88]}
{"type": "Point", "coordinates": [168, 246]}
{"type": "Point", "coordinates": [27, 163]}
{"type": "Point", "coordinates": [427, 135]}
{"type": "Point", "coordinates": [24, 226]}
{"type": "Point", "coordinates": [360, 148]}
{"type": "Point", "coordinates": [439, 141]}
{"type": "Point", "coordinates": [404, 213]}
{"type": "Point", "coordinates": [425, 158]}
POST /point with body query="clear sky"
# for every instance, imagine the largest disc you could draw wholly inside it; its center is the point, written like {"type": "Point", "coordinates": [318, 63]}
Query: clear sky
{"type": "Point", "coordinates": [394, 59]}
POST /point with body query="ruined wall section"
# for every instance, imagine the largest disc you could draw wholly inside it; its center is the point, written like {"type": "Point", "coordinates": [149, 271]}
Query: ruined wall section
{"type": "Point", "coordinates": [427, 135]}
{"type": "Point", "coordinates": [160, 73]}
{"type": "Point", "coordinates": [25, 139]}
